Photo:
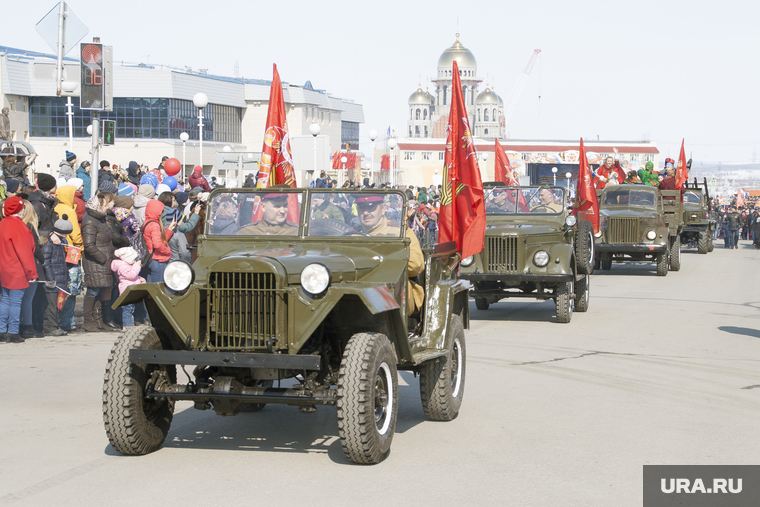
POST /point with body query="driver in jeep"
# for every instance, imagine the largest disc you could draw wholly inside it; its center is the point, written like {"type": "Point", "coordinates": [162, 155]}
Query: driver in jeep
{"type": "Point", "coordinates": [546, 203]}
{"type": "Point", "coordinates": [274, 218]}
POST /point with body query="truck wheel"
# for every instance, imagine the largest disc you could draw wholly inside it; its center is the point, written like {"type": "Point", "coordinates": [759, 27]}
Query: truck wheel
{"type": "Point", "coordinates": [711, 245]}
{"type": "Point", "coordinates": [597, 262]}
{"type": "Point", "coordinates": [606, 262]}
{"type": "Point", "coordinates": [482, 303]}
{"type": "Point", "coordinates": [135, 424]}
{"type": "Point", "coordinates": [675, 253]}
{"type": "Point", "coordinates": [367, 398]}
{"type": "Point", "coordinates": [584, 247]}
{"type": "Point", "coordinates": [442, 379]}
{"type": "Point", "coordinates": [582, 293]}
{"type": "Point", "coordinates": [703, 244]}
{"type": "Point", "coordinates": [662, 265]}
{"type": "Point", "coordinates": [564, 302]}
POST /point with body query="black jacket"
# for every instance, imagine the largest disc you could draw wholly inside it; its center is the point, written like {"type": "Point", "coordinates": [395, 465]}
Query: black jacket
{"type": "Point", "coordinates": [98, 250]}
{"type": "Point", "coordinates": [55, 265]}
{"type": "Point", "coordinates": [43, 204]}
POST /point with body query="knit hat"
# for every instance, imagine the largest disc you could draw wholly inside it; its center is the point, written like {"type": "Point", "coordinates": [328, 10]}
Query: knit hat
{"type": "Point", "coordinates": [93, 204]}
{"type": "Point", "coordinates": [181, 198]}
{"type": "Point", "coordinates": [123, 201]}
{"type": "Point", "coordinates": [108, 186]}
{"type": "Point", "coordinates": [104, 163]}
{"type": "Point", "coordinates": [76, 182]}
{"type": "Point", "coordinates": [126, 190]}
{"type": "Point", "coordinates": [13, 205]}
{"type": "Point", "coordinates": [63, 226]}
{"type": "Point", "coordinates": [45, 182]}
{"type": "Point", "coordinates": [169, 214]}
{"type": "Point", "coordinates": [70, 155]}
{"type": "Point", "coordinates": [121, 213]}
{"type": "Point", "coordinates": [161, 188]}
{"type": "Point", "coordinates": [149, 179]}
{"type": "Point", "coordinates": [59, 182]}
{"type": "Point", "coordinates": [147, 191]}
{"type": "Point", "coordinates": [12, 185]}
{"type": "Point", "coordinates": [127, 254]}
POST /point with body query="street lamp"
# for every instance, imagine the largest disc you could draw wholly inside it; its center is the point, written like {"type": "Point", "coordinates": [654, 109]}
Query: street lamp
{"type": "Point", "coordinates": [372, 137]}
{"type": "Point", "coordinates": [184, 136]}
{"type": "Point", "coordinates": [554, 173]}
{"type": "Point", "coordinates": [200, 100]}
{"type": "Point", "coordinates": [568, 175]}
{"type": "Point", "coordinates": [314, 130]}
{"type": "Point", "coordinates": [392, 146]}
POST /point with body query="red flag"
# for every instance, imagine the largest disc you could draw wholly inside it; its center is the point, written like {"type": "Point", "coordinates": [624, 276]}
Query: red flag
{"type": "Point", "coordinates": [463, 213]}
{"type": "Point", "coordinates": [503, 169]}
{"type": "Point", "coordinates": [682, 172]}
{"type": "Point", "coordinates": [385, 162]}
{"type": "Point", "coordinates": [586, 204]}
{"type": "Point", "coordinates": [276, 166]}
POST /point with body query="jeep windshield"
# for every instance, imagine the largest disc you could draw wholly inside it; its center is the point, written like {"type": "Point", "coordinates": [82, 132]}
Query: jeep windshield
{"type": "Point", "coordinates": [356, 213]}
{"type": "Point", "coordinates": [692, 198]}
{"type": "Point", "coordinates": [255, 213]}
{"type": "Point", "coordinates": [630, 197]}
{"type": "Point", "coordinates": [525, 200]}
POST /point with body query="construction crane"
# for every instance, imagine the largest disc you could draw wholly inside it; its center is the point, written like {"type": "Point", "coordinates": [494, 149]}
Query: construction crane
{"type": "Point", "coordinates": [514, 95]}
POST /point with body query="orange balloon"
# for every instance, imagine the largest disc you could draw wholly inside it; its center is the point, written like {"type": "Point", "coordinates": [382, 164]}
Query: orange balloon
{"type": "Point", "coordinates": [172, 167]}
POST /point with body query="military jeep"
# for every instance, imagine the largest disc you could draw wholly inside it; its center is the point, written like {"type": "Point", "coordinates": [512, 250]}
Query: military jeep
{"type": "Point", "coordinates": [639, 223]}
{"type": "Point", "coordinates": [533, 249]}
{"type": "Point", "coordinates": [698, 228]}
{"type": "Point", "coordinates": [285, 306]}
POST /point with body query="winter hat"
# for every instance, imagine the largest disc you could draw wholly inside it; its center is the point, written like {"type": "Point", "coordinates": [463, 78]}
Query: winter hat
{"type": "Point", "coordinates": [63, 226]}
{"type": "Point", "coordinates": [12, 185]}
{"type": "Point", "coordinates": [108, 186]}
{"type": "Point", "coordinates": [105, 163]}
{"type": "Point", "coordinates": [161, 188]}
{"type": "Point", "coordinates": [93, 204]}
{"type": "Point", "coordinates": [123, 201]}
{"type": "Point", "coordinates": [45, 182]}
{"type": "Point", "coordinates": [147, 191]}
{"type": "Point", "coordinates": [149, 179]}
{"type": "Point", "coordinates": [76, 182]}
{"type": "Point", "coordinates": [121, 213]}
{"type": "Point", "coordinates": [134, 167]}
{"type": "Point", "coordinates": [70, 155]}
{"type": "Point", "coordinates": [127, 254]}
{"type": "Point", "coordinates": [169, 214]}
{"type": "Point", "coordinates": [13, 205]}
{"type": "Point", "coordinates": [181, 198]}
{"type": "Point", "coordinates": [193, 194]}
{"type": "Point", "coordinates": [60, 182]}
{"type": "Point", "coordinates": [126, 190]}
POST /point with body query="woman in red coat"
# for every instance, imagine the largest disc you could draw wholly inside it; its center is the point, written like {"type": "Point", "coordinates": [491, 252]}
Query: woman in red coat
{"type": "Point", "coordinates": [197, 180]}
{"type": "Point", "coordinates": [17, 267]}
{"type": "Point", "coordinates": [157, 240]}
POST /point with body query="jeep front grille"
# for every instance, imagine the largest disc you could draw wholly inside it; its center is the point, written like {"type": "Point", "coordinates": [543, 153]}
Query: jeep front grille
{"type": "Point", "coordinates": [245, 310]}
{"type": "Point", "coordinates": [623, 231]}
{"type": "Point", "coordinates": [500, 255]}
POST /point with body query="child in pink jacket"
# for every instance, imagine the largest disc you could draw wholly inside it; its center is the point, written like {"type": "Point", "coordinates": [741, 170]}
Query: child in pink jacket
{"type": "Point", "coordinates": [128, 268]}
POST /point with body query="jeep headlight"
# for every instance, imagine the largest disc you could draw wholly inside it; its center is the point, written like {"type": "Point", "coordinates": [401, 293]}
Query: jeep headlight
{"type": "Point", "coordinates": [315, 278]}
{"type": "Point", "coordinates": [467, 261]}
{"type": "Point", "coordinates": [651, 235]}
{"type": "Point", "coordinates": [570, 220]}
{"type": "Point", "coordinates": [541, 258]}
{"type": "Point", "coordinates": [178, 275]}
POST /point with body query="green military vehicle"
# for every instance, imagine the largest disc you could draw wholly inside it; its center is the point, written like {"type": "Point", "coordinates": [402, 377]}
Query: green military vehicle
{"type": "Point", "coordinates": [698, 228]}
{"type": "Point", "coordinates": [639, 223]}
{"type": "Point", "coordinates": [285, 306]}
{"type": "Point", "coordinates": [533, 249]}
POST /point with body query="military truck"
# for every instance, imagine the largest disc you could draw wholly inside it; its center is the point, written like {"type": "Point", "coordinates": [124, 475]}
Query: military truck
{"type": "Point", "coordinates": [639, 223]}
{"type": "Point", "coordinates": [285, 306]}
{"type": "Point", "coordinates": [698, 228]}
{"type": "Point", "coordinates": [533, 249]}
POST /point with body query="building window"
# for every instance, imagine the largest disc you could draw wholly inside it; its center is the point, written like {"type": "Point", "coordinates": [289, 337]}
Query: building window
{"type": "Point", "coordinates": [633, 157]}
{"type": "Point", "coordinates": [426, 131]}
{"type": "Point", "coordinates": [441, 155]}
{"type": "Point", "coordinates": [427, 155]}
{"type": "Point", "coordinates": [417, 131]}
{"type": "Point", "coordinates": [409, 155]}
{"type": "Point", "coordinates": [485, 132]}
{"type": "Point", "coordinates": [478, 114]}
{"type": "Point", "coordinates": [541, 154]}
{"type": "Point", "coordinates": [485, 115]}
{"type": "Point", "coordinates": [445, 92]}
{"type": "Point", "coordinates": [349, 133]}
{"type": "Point", "coordinates": [410, 131]}
{"type": "Point", "coordinates": [424, 114]}
{"type": "Point", "coordinates": [648, 158]}
{"type": "Point", "coordinates": [464, 94]}
{"type": "Point", "coordinates": [329, 119]}
{"type": "Point", "coordinates": [417, 114]}
{"type": "Point", "coordinates": [12, 103]}
{"type": "Point", "coordinates": [526, 156]}
{"type": "Point", "coordinates": [493, 118]}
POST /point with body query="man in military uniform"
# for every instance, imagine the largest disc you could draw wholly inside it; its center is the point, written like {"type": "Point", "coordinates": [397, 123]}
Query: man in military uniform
{"type": "Point", "coordinates": [498, 201]}
{"type": "Point", "coordinates": [274, 220]}
{"type": "Point", "coordinates": [546, 203]}
{"type": "Point", "coordinates": [371, 209]}
{"type": "Point", "coordinates": [323, 208]}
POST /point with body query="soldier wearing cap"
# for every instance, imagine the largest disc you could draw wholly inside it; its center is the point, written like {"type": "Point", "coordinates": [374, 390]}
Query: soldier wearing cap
{"type": "Point", "coordinates": [274, 220]}
{"type": "Point", "coordinates": [498, 201]}
{"type": "Point", "coordinates": [546, 202]}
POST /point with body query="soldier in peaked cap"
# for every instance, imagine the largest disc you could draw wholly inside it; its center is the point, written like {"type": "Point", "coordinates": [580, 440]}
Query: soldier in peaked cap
{"type": "Point", "coordinates": [274, 220]}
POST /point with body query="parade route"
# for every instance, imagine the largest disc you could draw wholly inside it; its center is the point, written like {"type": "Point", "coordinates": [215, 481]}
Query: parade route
{"type": "Point", "coordinates": [660, 370]}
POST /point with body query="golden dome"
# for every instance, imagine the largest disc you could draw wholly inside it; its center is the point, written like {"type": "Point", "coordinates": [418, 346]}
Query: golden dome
{"type": "Point", "coordinates": [457, 52]}
{"type": "Point", "coordinates": [420, 97]}
{"type": "Point", "coordinates": [488, 97]}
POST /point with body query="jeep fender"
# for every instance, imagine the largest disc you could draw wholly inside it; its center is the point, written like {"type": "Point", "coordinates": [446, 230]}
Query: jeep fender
{"type": "Point", "coordinates": [447, 297]}
{"type": "Point", "coordinates": [566, 264]}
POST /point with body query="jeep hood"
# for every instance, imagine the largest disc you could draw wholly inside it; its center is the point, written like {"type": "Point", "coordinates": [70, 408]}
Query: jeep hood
{"type": "Point", "coordinates": [521, 229]}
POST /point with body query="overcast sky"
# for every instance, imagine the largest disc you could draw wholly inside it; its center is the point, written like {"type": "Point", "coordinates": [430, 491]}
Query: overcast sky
{"type": "Point", "coordinates": [662, 70]}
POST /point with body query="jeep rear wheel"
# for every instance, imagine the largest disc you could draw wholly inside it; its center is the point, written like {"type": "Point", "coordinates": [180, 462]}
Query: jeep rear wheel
{"type": "Point", "coordinates": [703, 245]}
{"type": "Point", "coordinates": [606, 262]}
{"type": "Point", "coordinates": [582, 293]}
{"type": "Point", "coordinates": [662, 264]}
{"type": "Point", "coordinates": [675, 253]}
{"type": "Point", "coordinates": [564, 302]}
{"type": "Point", "coordinates": [442, 379]}
{"type": "Point", "coordinates": [584, 247]}
{"type": "Point", "coordinates": [134, 423]}
{"type": "Point", "coordinates": [367, 398]}
{"type": "Point", "coordinates": [482, 303]}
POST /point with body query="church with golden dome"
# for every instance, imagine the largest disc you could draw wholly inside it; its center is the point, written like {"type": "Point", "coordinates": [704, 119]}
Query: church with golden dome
{"type": "Point", "coordinates": [429, 113]}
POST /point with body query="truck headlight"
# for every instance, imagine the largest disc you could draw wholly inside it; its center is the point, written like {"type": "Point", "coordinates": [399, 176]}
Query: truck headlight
{"type": "Point", "coordinates": [315, 278]}
{"type": "Point", "coordinates": [570, 220]}
{"type": "Point", "coordinates": [467, 261]}
{"type": "Point", "coordinates": [541, 258]}
{"type": "Point", "coordinates": [651, 235]}
{"type": "Point", "coordinates": [178, 275]}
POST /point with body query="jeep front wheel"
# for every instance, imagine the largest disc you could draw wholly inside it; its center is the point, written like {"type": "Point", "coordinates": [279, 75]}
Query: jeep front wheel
{"type": "Point", "coordinates": [703, 245]}
{"type": "Point", "coordinates": [442, 379]}
{"type": "Point", "coordinates": [662, 264]}
{"type": "Point", "coordinates": [134, 423]}
{"type": "Point", "coordinates": [367, 398]}
{"type": "Point", "coordinates": [675, 253]}
{"type": "Point", "coordinates": [582, 293]}
{"type": "Point", "coordinates": [584, 247]}
{"type": "Point", "coordinates": [564, 302]}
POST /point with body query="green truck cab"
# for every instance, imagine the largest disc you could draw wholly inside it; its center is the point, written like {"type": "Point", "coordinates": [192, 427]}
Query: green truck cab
{"type": "Point", "coordinates": [698, 228]}
{"type": "Point", "coordinates": [639, 223]}
{"type": "Point", "coordinates": [286, 306]}
{"type": "Point", "coordinates": [533, 249]}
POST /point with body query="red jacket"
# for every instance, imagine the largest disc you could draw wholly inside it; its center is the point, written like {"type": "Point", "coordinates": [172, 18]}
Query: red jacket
{"type": "Point", "coordinates": [79, 206]}
{"type": "Point", "coordinates": [17, 264]}
{"type": "Point", "coordinates": [197, 180]}
{"type": "Point", "coordinates": [152, 232]}
{"type": "Point", "coordinates": [603, 174]}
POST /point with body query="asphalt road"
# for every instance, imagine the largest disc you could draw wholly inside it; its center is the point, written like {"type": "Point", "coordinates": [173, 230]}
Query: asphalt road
{"type": "Point", "coordinates": [658, 371]}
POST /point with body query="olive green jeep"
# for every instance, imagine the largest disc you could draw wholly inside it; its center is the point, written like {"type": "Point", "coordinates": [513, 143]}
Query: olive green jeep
{"type": "Point", "coordinates": [533, 249]}
{"type": "Point", "coordinates": [284, 305]}
{"type": "Point", "coordinates": [698, 228]}
{"type": "Point", "coordinates": [639, 223]}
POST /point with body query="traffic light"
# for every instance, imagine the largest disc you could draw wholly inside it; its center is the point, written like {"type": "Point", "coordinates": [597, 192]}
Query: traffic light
{"type": "Point", "coordinates": [109, 131]}
{"type": "Point", "coordinates": [93, 76]}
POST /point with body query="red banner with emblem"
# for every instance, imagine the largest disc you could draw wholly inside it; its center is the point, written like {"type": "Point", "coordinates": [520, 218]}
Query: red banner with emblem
{"type": "Point", "coordinates": [586, 203]}
{"type": "Point", "coordinates": [276, 166]}
{"type": "Point", "coordinates": [682, 171]}
{"type": "Point", "coordinates": [503, 169]}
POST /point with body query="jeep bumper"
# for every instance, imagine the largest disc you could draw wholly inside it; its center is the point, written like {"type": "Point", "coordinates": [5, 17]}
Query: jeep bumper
{"type": "Point", "coordinates": [232, 359]}
{"type": "Point", "coordinates": [517, 278]}
{"type": "Point", "coordinates": [624, 249]}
